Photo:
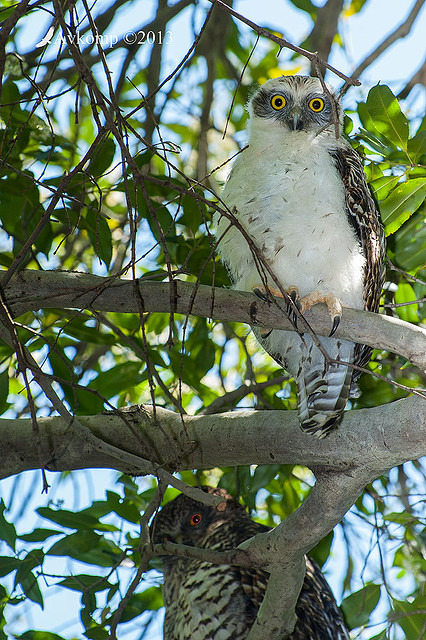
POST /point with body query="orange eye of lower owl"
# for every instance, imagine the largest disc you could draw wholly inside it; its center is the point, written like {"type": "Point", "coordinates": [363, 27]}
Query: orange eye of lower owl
{"type": "Point", "coordinates": [195, 519]}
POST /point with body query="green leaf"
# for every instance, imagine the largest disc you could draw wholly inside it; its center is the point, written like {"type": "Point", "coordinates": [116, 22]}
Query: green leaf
{"type": "Point", "coordinates": [359, 605]}
{"type": "Point", "coordinates": [413, 617]}
{"type": "Point", "coordinates": [39, 635]}
{"type": "Point", "coordinates": [321, 551]}
{"type": "Point", "coordinates": [150, 599]}
{"type": "Point", "coordinates": [69, 519]}
{"type": "Point", "coordinates": [411, 559]}
{"type": "Point", "coordinates": [4, 392]}
{"type": "Point", "coordinates": [121, 377]}
{"type": "Point", "coordinates": [405, 293]}
{"type": "Point", "coordinates": [410, 242]}
{"type": "Point", "coordinates": [387, 116]}
{"type": "Point", "coordinates": [98, 509]}
{"type": "Point", "coordinates": [124, 508]}
{"type": "Point", "coordinates": [30, 587]}
{"type": "Point", "coordinates": [102, 158]}
{"type": "Point", "coordinates": [84, 582]}
{"type": "Point", "coordinates": [88, 547]}
{"type": "Point", "coordinates": [75, 544]}
{"type": "Point", "coordinates": [7, 529]}
{"type": "Point", "coordinates": [306, 5]}
{"type": "Point", "coordinates": [38, 535]}
{"type": "Point", "coordinates": [100, 235]}
{"type": "Point", "coordinates": [383, 186]}
{"type": "Point", "coordinates": [8, 564]}
{"type": "Point", "coordinates": [417, 146]}
{"type": "Point", "coordinates": [192, 212]}
{"type": "Point", "coordinates": [401, 203]}
{"type": "Point", "coordinates": [34, 558]}
{"type": "Point", "coordinates": [97, 633]}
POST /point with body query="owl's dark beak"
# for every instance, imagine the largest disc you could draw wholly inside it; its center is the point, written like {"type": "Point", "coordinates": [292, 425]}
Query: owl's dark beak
{"type": "Point", "coordinates": [295, 122]}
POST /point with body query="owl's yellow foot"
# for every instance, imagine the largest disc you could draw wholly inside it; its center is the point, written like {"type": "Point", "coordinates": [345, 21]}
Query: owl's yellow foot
{"type": "Point", "coordinates": [263, 293]}
{"type": "Point", "coordinates": [333, 303]}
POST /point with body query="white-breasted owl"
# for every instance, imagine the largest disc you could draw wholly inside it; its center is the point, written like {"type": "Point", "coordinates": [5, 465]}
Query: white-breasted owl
{"type": "Point", "coordinates": [301, 195]}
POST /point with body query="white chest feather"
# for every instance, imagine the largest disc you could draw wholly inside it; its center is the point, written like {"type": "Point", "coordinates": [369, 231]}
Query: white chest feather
{"type": "Point", "coordinates": [289, 197]}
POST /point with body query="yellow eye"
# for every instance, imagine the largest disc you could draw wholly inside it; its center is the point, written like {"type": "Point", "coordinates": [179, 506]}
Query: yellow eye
{"type": "Point", "coordinates": [316, 104]}
{"type": "Point", "coordinates": [278, 102]}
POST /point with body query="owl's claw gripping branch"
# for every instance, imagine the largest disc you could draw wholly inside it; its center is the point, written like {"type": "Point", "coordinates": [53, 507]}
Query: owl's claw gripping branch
{"type": "Point", "coordinates": [292, 292]}
{"type": "Point", "coordinates": [336, 322]}
{"type": "Point", "coordinates": [333, 303]}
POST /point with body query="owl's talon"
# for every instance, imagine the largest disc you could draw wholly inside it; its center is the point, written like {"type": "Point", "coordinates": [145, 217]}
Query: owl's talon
{"type": "Point", "coordinates": [260, 294]}
{"type": "Point", "coordinates": [333, 303]}
{"type": "Point", "coordinates": [336, 322]}
{"type": "Point", "coordinates": [293, 294]}
{"type": "Point", "coordinates": [265, 333]}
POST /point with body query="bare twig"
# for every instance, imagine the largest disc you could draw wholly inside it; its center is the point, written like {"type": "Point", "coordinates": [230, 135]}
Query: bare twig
{"type": "Point", "coordinates": [234, 396]}
{"type": "Point", "coordinates": [400, 32]}
{"type": "Point", "coordinates": [284, 44]}
{"type": "Point", "coordinates": [30, 290]}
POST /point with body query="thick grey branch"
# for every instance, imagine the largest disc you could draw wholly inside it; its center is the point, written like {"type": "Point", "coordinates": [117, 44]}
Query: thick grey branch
{"type": "Point", "coordinates": [332, 496]}
{"type": "Point", "coordinates": [31, 290]}
{"type": "Point", "coordinates": [367, 443]}
{"type": "Point", "coordinates": [376, 439]}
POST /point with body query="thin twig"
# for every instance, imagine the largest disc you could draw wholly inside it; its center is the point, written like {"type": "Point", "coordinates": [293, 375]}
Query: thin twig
{"type": "Point", "coordinates": [284, 44]}
{"type": "Point", "coordinates": [400, 32]}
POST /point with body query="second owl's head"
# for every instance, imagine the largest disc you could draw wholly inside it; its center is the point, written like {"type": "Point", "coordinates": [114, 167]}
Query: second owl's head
{"type": "Point", "coordinates": [186, 521]}
{"type": "Point", "coordinates": [298, 103]}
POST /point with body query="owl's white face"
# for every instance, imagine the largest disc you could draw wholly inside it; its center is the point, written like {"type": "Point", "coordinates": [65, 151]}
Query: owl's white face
{"type": "Point", "coordinates": [298, 103]}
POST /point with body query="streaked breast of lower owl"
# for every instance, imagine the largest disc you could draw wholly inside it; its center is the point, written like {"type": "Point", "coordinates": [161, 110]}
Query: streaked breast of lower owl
{"type": "Point", "coordinates": [220, 602]}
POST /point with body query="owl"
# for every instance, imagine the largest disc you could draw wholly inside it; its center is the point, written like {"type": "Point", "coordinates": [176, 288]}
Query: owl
{"type": "Point", "coordinates": [220, 602]}
{"type": "Point", "coordinates": [300, 194]}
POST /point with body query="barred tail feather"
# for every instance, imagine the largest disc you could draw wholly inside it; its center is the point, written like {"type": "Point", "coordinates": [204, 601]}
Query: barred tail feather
{"type": "Point", "coordinates": [323, 390]}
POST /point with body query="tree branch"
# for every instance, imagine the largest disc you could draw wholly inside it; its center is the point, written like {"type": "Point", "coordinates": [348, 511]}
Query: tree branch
{"type": "Point", "coordinates": [284, 44]}
{"type": "Point", "coordinates": [368, 443]}
{"type": "Point", "coordinates": [376, 439]}
{"type": "Point", "coordinates": [332, 496]}
{"type": "Point", "coordinates": [32, 290]}
{"type": "Point", "coordinates": [324, 30]}
{"type": "Point", "coordinates": [400, 32]}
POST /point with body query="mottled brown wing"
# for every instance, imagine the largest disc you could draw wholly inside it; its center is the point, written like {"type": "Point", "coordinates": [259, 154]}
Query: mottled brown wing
{"type": "Point", "coordinates": [363, 214]}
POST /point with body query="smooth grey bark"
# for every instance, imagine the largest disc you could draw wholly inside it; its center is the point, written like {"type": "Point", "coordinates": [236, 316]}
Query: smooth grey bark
{"type": "Point", "coordinates": [368, 443]}
{"type": "Point", "coordinates": [375, 439]}
{"type": "Point", "coordinates": [152, 440]}
{"type": "Point", "coordinates": [32, 290]}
